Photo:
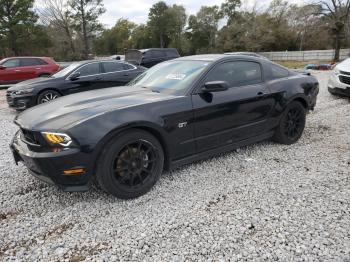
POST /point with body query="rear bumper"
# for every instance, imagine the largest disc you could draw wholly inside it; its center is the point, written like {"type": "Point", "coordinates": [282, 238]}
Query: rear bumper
{"type": "Point", "coordinates": [20, 102]}
{"type": "Point", "coordinates": [49, 166]}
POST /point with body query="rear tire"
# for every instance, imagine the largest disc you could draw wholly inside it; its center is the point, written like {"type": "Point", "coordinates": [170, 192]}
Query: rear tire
{"type": "Point", "coordinates": [130, 164]}
{"type": "Point", "coordinates": [292, 124]}
{"type": "Point", "coordinates": [47, 96]}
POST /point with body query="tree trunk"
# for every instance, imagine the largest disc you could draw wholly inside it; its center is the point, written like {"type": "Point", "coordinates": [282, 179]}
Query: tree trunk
{"type": "Point", "coordinates": [161, 40]}
{"type": "Point", "coordinates": [85, 36]}
{"type": "Point", "coordinates": [337, 47]}
{"type": "Point", "coordinates": [13, 43]}
{"type": "Point", "coordinates": [71, 43]}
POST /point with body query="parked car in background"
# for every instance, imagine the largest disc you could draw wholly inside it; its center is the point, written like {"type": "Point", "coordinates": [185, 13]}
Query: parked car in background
{"type": "Point", "coordinates": [78, 77]}
{"type": "Point", "coordinates": [150, 57]}
{"type": "Point", "coordinates": [17, 69]}
{"type": "Point", "coordinates": [339, 81]}
{"type": "Point", "coordinates": [173, 114]}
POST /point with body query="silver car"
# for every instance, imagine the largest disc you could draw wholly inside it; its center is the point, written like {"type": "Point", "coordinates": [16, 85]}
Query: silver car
{"type": "Point", "coordinates": [339, 81]}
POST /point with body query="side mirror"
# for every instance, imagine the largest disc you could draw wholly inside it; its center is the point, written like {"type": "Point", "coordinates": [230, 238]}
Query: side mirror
{"type": "Point", "coordinates": [215, 86]}
{"type": "Point", "coordinates": [2, 67]}
{"type": "Point", "coordinates": [74, 76]}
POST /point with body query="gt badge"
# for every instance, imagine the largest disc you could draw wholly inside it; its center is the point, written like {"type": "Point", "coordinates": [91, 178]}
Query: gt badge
{"type": "Point", "coordinates": [183, 124]}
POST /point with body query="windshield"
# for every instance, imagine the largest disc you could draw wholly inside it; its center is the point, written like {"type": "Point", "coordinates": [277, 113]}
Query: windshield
{"type": "Point", "coordinates": [171, 76]}
{"type": "Point", "coordinates": [66, 70]}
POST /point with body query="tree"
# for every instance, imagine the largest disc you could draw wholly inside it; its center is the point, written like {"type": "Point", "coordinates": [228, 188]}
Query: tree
{"type": "Point", "coordinates": [203, 28]}
{"type": "Point", "coordinates": [17, 20]}
{"type": "Point", "coordinates": [229, 9]}
{"type": "Point", "coordinates": [57, 14]}
{"type": "Point", "coordinates": [336, 13]}
{"type": "Point", "coordinates": [158, 21]}
{"type": "Point", "coordinates": [142, 37]}
{"type": "Point", "coordinates": [177, 22]}
{"type": "Point", "coordinates": [114, 40]}
{"type": "Point", "coordinates": [85, 15]}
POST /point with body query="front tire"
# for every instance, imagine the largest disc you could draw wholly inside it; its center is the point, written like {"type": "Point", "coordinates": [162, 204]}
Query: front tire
{"type": "Point", "coordinates": [292, 124]}
{"type": "Point", "coordinates": [130, 164]}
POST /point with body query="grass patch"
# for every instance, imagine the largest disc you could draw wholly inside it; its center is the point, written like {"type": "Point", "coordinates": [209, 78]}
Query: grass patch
{"type": "Point", "coordinates": [299, 64]}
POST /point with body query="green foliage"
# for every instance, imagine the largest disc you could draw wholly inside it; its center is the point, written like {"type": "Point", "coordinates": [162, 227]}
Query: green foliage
{"type": "Point", "coordinates": [203, 28]}
{"type": "Point", "coordinates": [114, 40]}
{"type": "Point", "coordinates": [17, 25]}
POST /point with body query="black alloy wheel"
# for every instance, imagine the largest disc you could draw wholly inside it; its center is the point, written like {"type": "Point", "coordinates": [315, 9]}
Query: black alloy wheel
{"type": "Point", "coordinates": [48, 96]}
{"type": "Point", "coordinates": [134, 163]}
{"type": "Point", "coordinates": [130, 164]}
{"type": "Point", "coordinates": [292, 124]}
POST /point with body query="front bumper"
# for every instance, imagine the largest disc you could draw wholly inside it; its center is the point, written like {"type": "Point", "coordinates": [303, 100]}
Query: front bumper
{"type": "Point", "coordinates": [20, 102]}
{"type": "Point", "coordinates": [49, 166]}
{"type": "Point", "coordinates": [337, 87]}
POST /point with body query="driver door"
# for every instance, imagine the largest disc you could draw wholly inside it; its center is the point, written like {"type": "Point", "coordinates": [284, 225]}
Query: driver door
{"type": "Point", "coordinates": [233, 115]}
{"type": "Point", "coordinates": [89, 77]}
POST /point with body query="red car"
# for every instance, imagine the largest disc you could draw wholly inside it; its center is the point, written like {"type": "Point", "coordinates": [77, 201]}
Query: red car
{"type": "Point", "coordinates": [17, 69]}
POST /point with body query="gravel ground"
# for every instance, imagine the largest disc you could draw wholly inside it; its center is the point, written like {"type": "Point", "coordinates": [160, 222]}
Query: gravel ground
{"type": "Point", "coordinates": [262, 202]}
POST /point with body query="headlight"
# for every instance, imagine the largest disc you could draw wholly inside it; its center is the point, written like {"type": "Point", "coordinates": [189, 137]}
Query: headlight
{"type": "Point", "coordinates": [336, 71]}
{"type": "Point", "coordinates": [57, 138]}
{"type": "Point", "coordinates": [23, 92]}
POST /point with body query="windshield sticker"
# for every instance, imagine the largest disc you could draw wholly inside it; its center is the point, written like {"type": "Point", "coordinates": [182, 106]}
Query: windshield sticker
{"type": "Point", "coordinates": [176, 76]}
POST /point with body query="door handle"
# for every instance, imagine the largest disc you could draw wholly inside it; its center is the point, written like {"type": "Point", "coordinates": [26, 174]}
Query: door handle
{"type": "Point", "coordinates": [98, 78]}
{"type": "Point", "coordinates": [17, 70]}
{"type": "Point", "coordinates": [126, 74]}
{"type": "Point", "coordinates": [260, 93]}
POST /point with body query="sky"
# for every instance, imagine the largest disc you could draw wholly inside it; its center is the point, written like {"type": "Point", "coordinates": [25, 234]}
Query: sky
{"type": "Point", "coordinates": [137, 10]}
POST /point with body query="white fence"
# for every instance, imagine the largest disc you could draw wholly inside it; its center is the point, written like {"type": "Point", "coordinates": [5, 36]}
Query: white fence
{"type": "Point", "coordinates": [318, 55]}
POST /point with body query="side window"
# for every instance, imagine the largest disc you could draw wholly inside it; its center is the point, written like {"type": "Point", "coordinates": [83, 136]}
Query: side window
{"type": "Point", "coordinates": [237, 73]}
{"type": "Point", "coordinates": [112, 67]}
{"type": "Point", "coordinates": [41, 62]}
{"type": "Point", "coordinates": [278, 72]}
{"type": "Point", "coordinates": [171, 53]}
{"type": "Point", "coordinates": [29, 62]}
{"type": "Point", "coordinates": [127, 67]}
{"type": "Point", "coordinates": [90, 69]}
{"type": "Point", "coordinates": [157, 54]}
{"type": "Point", "coordinates": [11, 63]}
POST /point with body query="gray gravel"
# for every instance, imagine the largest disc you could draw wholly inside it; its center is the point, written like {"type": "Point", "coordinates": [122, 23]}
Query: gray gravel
{"type": "Point", "coordinates": [262, 202]}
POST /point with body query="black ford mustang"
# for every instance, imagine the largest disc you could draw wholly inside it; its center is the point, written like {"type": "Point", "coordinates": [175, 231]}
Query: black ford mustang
{"type": "Point", "coordinates": [175, 113]}
{"type": "Point", "coordinates": [78, 77]}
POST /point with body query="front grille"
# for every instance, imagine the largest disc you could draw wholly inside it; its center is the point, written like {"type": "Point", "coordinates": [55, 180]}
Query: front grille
{"type": "Point", "coordinates": [29, 137]}
{"type": "Point", "coordinates": [345, 79]}
{"type": "Point", "coordinates": [8, 97]}
{"type": "Point", "coordinates": [344, 73]}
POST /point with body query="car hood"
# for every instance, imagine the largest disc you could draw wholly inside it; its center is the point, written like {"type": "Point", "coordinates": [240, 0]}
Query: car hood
{"type": "Point", "coordinates": [30, 83]}
{"type": "Point", "coordinates": [344, 66]}
{"type": "Point", "coordinates": [73, 109]}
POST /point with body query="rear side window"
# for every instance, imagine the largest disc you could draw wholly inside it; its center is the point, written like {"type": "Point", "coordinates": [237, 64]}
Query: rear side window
{"type": "Point", "coordinates": [171, 53]}
{"type": "Point", "coordinates": [31, 62]}
{"type": "Point", "coordinates": [157, 54]}
{"type": "Point", "coordinates": [278, 72]}
{"type": "Point", "coordinates": [90, 69]}
{"type": "Point", "coordinates": [236, 73]}
{"type": "Point", "coordinates": [11, 63]}
{"type": "Point", "coordinates": [127, 67]}
{"type": "Point", "coordinates": [112, 67]}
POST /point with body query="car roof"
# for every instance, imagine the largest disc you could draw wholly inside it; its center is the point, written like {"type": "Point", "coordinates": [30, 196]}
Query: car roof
{"type": "Point", "coordinates": [216, 57]}
{"type": "Point", "coordinates": [12, 57]}
{"type": "Point", "coordinates": [156, 49]}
